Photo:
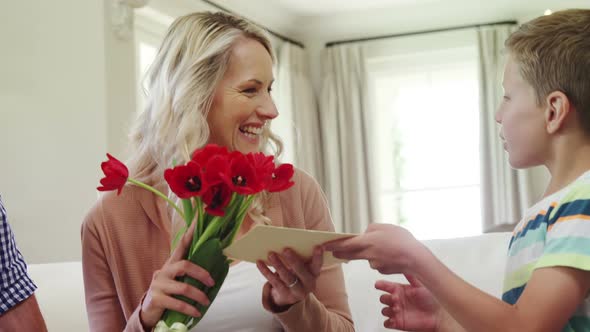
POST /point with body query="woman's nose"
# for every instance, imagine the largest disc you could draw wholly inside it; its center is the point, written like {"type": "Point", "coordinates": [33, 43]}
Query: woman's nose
{"type": "Point", "coordinates": [268, 110]}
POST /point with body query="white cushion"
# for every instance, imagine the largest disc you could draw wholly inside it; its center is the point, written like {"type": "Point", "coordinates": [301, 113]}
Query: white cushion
{"type": "Point", "coordinates": [60, 294]}
{"type": "Point", "coordinates": [479, 260]}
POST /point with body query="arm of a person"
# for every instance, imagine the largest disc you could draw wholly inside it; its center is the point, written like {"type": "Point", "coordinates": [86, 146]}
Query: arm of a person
{"type": "Point", "coordinates": [549, 299]}
{"type": "Point", "coordinates": [326, 309]}
{"type": "Point", "coordinates": [102, 303]}
{"type": "Point", "coordinates": [19, 309]}
{"type": "Point", "coordinates": [25, 316]}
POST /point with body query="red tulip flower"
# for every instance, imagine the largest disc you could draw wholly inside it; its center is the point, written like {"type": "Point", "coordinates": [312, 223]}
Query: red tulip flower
{"type": "Point", "coordinates": [281, 178]}
{"type": "Point", "coordinates": [217, 198]}
{"type": "Point", "coordinates": [185, 181]}
{"type": "Point", "coordinates": [202, 156]}
{"type": "Point", "coordinates": [241, 176]}
{"type": "Point", "coordinates": [116, 174]}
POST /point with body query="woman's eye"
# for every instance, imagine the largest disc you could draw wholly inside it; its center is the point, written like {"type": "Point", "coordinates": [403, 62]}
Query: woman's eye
{"type": "Point", "coordinates": [250, 90]}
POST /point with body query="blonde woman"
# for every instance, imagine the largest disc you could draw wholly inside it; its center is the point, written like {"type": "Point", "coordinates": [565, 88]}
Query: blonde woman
{"type": "Point", "coordinates": [210, 83]}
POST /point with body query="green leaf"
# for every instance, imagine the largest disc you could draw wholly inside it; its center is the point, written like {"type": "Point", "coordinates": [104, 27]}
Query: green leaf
{"type": "Point", "coordinates": [210, 257]}
{"type": "Point", "coordinates": [218, 273]}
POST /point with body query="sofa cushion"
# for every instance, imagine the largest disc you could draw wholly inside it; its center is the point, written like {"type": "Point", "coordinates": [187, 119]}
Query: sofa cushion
{"type": "Point", "coordinates": [480, 260]}
{"type": "Point", "coordinates": [60, 294]}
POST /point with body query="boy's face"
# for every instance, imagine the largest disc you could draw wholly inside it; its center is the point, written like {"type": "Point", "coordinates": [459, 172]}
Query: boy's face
{"type": "Point", "coordinates": [522, 122]}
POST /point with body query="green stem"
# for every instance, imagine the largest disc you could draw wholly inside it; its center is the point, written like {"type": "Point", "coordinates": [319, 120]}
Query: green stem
{"type": "Point", "coordinates": [157, 192]}
{"type": "Point", "coordinates": [229, 219]}
{"type": "Point", "coordinates": [240, 219]}
{"type": "Point", "coordinates": [199, 213]}
{"type": "Point", "coordinates": [189, 211]}
{"type": "Point", "coordinates": [211, 229]}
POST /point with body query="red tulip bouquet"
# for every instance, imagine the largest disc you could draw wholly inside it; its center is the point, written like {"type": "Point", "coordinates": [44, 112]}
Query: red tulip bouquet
{"type": "Point", "coordinates": [216, 188]}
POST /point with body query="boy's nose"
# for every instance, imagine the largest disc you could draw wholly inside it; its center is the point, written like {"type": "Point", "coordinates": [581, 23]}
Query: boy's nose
{"type": "Point", "coordinates": [498, 115]}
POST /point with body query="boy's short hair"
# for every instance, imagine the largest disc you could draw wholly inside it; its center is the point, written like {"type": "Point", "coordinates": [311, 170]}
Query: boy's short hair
{"type": "Point", "coordinates": [553, 53]}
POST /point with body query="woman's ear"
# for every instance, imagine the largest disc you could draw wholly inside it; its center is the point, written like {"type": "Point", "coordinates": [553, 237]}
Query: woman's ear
{"type": "Point", "coordinates": [557, 109]}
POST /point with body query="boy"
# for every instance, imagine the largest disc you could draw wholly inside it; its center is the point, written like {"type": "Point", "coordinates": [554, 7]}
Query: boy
{"type": "Point", "coordinates": [544, 120]}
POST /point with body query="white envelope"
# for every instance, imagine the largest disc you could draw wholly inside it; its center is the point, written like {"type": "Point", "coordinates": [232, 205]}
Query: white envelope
{"type": "Point", "coordinates": [262, 239]}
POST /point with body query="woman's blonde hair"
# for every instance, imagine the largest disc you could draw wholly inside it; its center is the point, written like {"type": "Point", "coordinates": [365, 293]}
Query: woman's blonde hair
{"type": "Point", "coordinates": [181, 82]}
{"type": "Point", "coordinates": [553, 53]}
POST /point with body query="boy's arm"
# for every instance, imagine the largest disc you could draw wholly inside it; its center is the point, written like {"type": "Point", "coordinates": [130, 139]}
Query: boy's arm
{"type": "Point", "coordinates": [550, 298]}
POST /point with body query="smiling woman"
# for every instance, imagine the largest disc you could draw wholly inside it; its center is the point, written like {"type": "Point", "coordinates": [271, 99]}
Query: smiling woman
{"type": "Point", "coordinates": [210, 82]}
{"type": "Point", "coordinates": [242, 103]}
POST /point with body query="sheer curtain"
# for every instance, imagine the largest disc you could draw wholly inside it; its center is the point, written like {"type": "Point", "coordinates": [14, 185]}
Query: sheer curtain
{"type": "Point", "coordinates": [298, 123]}
{"type": "Point", "coordinates": [506, 192]}
{"type": "Point", "coordinates": [345, 124]}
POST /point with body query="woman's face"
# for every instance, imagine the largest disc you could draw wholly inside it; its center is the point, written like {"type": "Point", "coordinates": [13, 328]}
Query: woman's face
{"type": "Point", "coordinates": [242, 103]}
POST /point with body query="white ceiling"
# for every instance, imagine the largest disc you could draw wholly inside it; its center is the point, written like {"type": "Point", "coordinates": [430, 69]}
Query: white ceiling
{"type": "Point", "coordinates": [331, 7]}
{"type": "Point", "coordinates": [340, 18]}
{"type": "Point", "coordinates": [315, 21]}
{"type": "Point", "coordinates": [326, 7]}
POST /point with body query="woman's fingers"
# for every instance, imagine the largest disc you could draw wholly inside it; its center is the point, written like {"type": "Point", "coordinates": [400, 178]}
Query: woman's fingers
{"type": "Point", "coordinates": [285, 274]}
{"type": "Point", "coordinates": [174, 287]}
{"type": "Point", "coordinates": [317, 260]}
{"type": "Point", "coordinates": [168, 302]}
{"type": "Point", "coordinates": [293, 277]}
{"type": "Point", "coordinates": [295, 269]}
{"type": "Point", "coordinates": [184, 267]}
{"type": "Point", "coordinates": [273, 278]}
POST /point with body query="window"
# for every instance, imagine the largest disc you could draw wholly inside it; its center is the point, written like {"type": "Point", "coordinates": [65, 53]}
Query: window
{"type": "Point", "coordinates": [427, 112]}
{"type": "Point", "coordinates": [150, 28]}
{"type": "Point", "coordinates": [145, 56]}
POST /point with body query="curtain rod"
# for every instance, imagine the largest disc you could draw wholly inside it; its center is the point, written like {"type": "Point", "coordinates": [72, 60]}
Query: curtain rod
{"type": "Point", "coordinates": [287, 39]}
{"type": "Point", "coordinates": [338, 42]}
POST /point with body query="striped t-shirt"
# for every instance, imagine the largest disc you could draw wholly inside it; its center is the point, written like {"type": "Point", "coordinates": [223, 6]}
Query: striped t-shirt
{"type": "Point", "coordinates": [554, 232]}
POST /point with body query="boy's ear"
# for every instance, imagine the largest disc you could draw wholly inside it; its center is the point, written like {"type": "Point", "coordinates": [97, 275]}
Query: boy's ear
{"type": "Point", "coordinates": [557, 110]}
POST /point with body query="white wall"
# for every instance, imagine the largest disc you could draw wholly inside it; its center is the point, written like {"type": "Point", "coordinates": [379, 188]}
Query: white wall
{"type": "Point", "coordinates": [120, 84]}
{"type": "Point", "coordinates": [57, 78]}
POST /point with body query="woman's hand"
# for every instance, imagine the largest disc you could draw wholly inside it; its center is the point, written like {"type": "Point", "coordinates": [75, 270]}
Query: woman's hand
{"type": "Point", "coordinates": [292, 280]}
{"type": "Point", "coordinates": [164, 285]}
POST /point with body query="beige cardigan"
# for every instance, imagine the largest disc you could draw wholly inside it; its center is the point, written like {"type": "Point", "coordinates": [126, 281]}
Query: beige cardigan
{"type": "Point", "coordinates": [126, 238]}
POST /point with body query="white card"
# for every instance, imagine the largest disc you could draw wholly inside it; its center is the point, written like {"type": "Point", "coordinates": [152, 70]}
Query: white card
{"type": "Point", "coordinates": [262, 239]}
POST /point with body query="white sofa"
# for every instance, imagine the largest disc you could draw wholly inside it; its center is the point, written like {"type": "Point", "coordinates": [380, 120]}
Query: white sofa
{"type": "Point", "coordinates": [479, 260]}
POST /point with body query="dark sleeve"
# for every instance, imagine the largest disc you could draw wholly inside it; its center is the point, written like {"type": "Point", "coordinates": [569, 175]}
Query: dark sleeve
{"type": "Point", "coordinates": [15, 283]}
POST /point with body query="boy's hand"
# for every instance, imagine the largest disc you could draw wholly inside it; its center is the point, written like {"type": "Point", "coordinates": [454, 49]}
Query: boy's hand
{"type": "Point", "coordinates": [410, 307]}
{"type": "Point", "coordinates": [388, 248]}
